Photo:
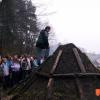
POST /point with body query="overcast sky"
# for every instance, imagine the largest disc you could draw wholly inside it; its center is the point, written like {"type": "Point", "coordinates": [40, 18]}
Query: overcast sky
{"type": "Point", "coordinates": [76, 21]}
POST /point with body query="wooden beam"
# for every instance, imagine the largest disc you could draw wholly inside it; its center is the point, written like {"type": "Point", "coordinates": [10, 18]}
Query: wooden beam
{"type": "Point", "coordinates": [50, 89]}
{"type": "Point", "coordinates": [68, 75]}
{"type": "Point", "coordinates": [43, 74]}
{"type": "Point", "coordinates": [80, 89]}
{"type": "Point", "coordinates": [56, 62]}
{"type": "Point", "coordinates": [88, 74]}
{"type": "Point", "coordinates": [79, 61]}
{"type": "Point", "coordinates": [63, 75]}
{"type": "Point", "coordinates": [72, 75]}
{"type": "Point", "coordinates": [50, 82]}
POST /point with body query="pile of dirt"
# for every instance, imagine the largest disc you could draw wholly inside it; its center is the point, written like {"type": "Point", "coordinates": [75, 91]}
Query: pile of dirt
{"type": "Point", "coordinates": [35, 88]}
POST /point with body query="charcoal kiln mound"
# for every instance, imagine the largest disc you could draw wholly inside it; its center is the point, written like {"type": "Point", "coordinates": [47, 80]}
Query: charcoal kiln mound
{"type": "Point", "coordinates": [67, 62]}
{"type": "Point", "coordinates": [66, 75]}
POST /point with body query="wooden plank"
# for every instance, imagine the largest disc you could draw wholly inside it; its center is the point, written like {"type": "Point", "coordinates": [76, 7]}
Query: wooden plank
{"type": "Point", "coordinates": [80, 90]}
{"type": "Point", "coordinates": [82, 68]}
{"type": "Point", "coordinates": [63, 75]}
{"type": "Point", "coordinates": [56, 62]}
{"type": "Point", "coordinates": [50, 89]}
{"type": "Point", "coordinates": [50, 82]}
{"type": "Point", "coordinates": [72, 75]}
{"type": "Point", "coordinates": [43, 74]}
{"type": "Point", "coordinates": [88, 74]}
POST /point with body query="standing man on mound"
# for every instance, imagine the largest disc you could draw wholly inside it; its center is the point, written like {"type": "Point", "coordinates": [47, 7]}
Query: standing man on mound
{"type": "Point", "coordinates": [42, 44]}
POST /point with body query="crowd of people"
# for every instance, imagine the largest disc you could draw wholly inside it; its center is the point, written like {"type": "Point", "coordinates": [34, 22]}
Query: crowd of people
{"type": "Point", "coordinates": [16, 68]}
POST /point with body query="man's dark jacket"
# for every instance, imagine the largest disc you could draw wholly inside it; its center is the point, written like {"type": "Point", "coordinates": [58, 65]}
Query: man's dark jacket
{"type": "Point", "coordinates": [42, 41]}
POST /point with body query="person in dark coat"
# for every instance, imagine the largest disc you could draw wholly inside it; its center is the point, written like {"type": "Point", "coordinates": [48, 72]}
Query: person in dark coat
{"type": "Point", "coordinates": [42, 44]}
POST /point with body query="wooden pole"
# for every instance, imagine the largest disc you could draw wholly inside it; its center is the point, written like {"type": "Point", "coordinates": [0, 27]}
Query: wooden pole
{"type": "Point", "coordinates": [50, 82]}
{"type": "Point", "coordinates": [50, 89]}
{"type": "Point", "coordinates": [80, 90]}
{"type": "Point", "coordinates": [78, 74]}
{"type": "Point", "coordinates": [56, 62]}
{"type": "Point", "coordinates": [82, 68]}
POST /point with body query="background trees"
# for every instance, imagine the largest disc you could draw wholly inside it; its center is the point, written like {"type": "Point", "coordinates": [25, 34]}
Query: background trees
{"type": "Point", "coordinates": [18, 26]}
